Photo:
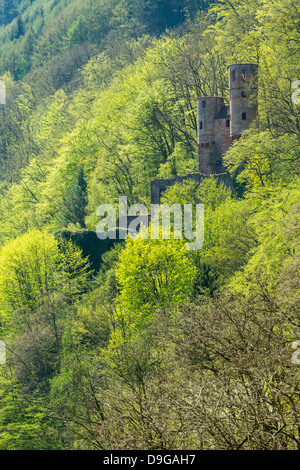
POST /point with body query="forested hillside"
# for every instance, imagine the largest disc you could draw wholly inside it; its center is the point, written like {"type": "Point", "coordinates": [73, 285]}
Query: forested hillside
{"type": "Point", "coordinates": [142, 344]}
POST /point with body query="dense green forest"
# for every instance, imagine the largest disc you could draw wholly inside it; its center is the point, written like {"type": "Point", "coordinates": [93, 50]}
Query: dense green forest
{"type": "Point", "coordinates": [140, 343]}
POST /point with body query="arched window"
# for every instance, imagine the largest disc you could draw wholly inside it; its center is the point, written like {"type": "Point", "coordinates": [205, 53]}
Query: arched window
{"type": "Point", "coordinates": [244, 116]}
{"type": "Point", "coordinates": [233, 75]}
{"type": "Point", "coordinates": [203, 104]}
{"type": "Point", "coordinates": [201, 125]}
{"type": "Point", "coordinates": [227, 123]}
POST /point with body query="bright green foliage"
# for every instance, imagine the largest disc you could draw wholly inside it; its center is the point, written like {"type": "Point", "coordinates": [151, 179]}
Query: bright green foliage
{"type": "Point", "coordinates": [23, 420]}
{"type": "Point", "coordinates": [73, 271]}
{"type": "Point", "coordinates": [184, 193]}
{"type": "Point", "coordinates": [33, 267]}
{"type": "Point", "coordinates": [276, 228]}
{"type": "Point", "coordinates": [28, 266]}
{"type": "Point", "coordinates": [212, 195]}
{"type": "Point", "coordinates": [209, 193]}
{"type": "Point", "coordinates": [153, 274]}
{"type": "Point", "coordinates": [227, 238]}
{"type": "Point", "coordinates": [262, 159]}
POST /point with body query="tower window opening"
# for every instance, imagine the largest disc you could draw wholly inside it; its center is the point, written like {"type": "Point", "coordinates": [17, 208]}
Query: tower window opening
{"type": "Point", "coordinates": [233, 75]}
{"type": "Point", "coordinates": [201, 125]}
{"type": "Point", "coordinates": [243, 74]}
{"type": "Point", "coordinates": [227, 123]}
{"type": "Point", "coordinates": [203, 104]}
{"type": "Point", "coordinates": [244, 94]}
{"type": "Point", "coordinates": [244, 116]}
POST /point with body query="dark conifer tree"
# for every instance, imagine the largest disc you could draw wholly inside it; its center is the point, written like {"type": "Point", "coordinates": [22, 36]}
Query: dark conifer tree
{"type": "Point", "coordinates": [73, 207]}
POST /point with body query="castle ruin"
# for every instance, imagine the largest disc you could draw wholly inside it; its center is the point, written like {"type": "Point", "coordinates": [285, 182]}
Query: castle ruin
{"type": "Point", "coordinates": [218, 125]}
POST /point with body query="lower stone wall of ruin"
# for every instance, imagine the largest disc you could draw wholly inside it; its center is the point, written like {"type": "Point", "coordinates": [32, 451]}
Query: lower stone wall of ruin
{"type": "Point", "coordinates": [158, 186]}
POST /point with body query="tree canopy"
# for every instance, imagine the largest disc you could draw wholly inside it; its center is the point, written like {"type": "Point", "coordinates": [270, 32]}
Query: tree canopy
{"type": "Point", "coordinates": [140, 343]}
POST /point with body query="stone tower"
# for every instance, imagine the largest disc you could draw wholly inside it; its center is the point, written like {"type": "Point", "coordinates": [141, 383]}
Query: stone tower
{"type": "Point", "coordinates": [213, 133]}
{"type": "Point", "coordinates": [243, 101]}
{"type": "Point", "coordinates": [218, 124]}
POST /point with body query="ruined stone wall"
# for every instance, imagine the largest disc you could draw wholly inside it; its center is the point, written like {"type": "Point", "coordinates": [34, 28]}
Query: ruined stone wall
{"type": "Point", "coordinates": [158, 186]}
